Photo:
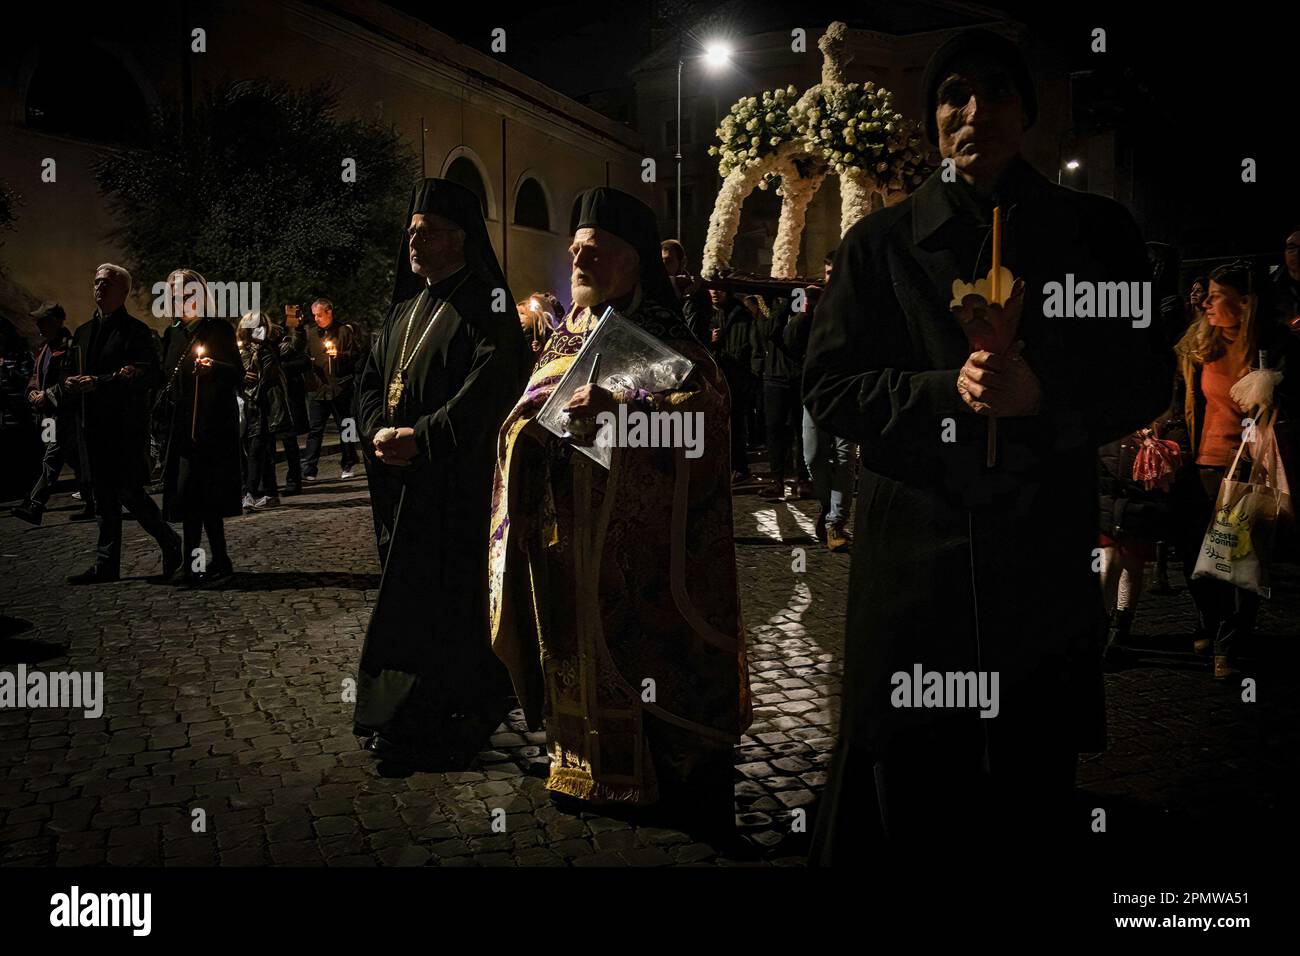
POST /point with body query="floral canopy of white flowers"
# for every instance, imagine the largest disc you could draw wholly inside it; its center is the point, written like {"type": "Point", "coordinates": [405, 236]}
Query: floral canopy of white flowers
{"type": "Point", "coordinates": [795, 141]}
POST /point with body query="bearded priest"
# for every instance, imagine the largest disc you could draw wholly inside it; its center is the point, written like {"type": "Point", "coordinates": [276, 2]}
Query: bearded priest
{"type": "Point", "coordinates": [613, 593]}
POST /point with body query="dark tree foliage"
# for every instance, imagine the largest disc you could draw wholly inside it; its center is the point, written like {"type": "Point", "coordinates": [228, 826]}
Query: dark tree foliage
{"type": "Point", "coordinates": [253, 191]}
{"type": "Point", "coordinates": [9, 203]}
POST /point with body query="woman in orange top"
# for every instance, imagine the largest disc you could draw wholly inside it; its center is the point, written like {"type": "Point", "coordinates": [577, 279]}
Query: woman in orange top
{"type": "Point", "coordinates": [1217, 349]}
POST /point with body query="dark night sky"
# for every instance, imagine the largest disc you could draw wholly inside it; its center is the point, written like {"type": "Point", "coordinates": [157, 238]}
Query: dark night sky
{"type": "Point", "coordinates": [1197, 95]}
{"type": "Point", "coordinates": [1203, 95]}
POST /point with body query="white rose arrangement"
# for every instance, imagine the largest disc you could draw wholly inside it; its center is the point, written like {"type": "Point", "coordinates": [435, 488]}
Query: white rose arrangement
{"type": "Point", "coordinates": [781, 136]}
{"type": "Point", "coordinates": [753, 130]}
{"type": "Point", "coordinates": [857, 127]}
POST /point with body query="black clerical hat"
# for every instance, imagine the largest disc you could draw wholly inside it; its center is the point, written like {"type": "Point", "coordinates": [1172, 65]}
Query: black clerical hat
{"type": "Point", "coordinates": [627, 217]}
{"type": "Point", "coordinates": [442, 197]}
{"type": "Point", "coordinates": [990, 44]}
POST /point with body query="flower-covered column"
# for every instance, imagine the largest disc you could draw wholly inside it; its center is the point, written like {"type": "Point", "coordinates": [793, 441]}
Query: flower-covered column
{"type": "Point", "coordinates": [796, 193]}
{"type": "Point", "coordinates": [856, 189]}
{"type": "Point", "coordinates": [850, 129]}
{"type": "Point", "coordinates": [725, 219]}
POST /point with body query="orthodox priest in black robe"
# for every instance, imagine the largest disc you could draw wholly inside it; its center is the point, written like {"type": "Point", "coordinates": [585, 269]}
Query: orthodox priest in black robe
{"type": "Point", "coordinates": [961, 566]}
{"type": "Point", "coordinates": [446, 371]}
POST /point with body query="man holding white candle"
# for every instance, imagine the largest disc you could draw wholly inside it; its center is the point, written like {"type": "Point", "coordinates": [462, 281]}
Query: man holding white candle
{"type": "Point", "coordinates": [333, 348]}
{"type": "Point", "coordinates": [973, 555]}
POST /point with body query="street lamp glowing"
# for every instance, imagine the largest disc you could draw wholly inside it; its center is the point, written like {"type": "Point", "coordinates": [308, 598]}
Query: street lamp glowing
{"type": "Point", "coordinates": [715, 55]}
{"type": "Point", "coordinates": [1072, 165]}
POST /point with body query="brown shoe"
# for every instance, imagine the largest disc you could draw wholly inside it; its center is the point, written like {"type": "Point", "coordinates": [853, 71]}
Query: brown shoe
{"type": "Point", "coordinates": [1222, 669]}
{"type": "Point", "coordinates": [1201, 646]}
{"type": "Point", "coordinates": [836, 540]}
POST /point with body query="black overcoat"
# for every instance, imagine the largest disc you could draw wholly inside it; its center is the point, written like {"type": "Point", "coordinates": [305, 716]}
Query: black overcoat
{"type": "Point", "coordinates": [114, 418]}
{"type": "Point", "coordinates": [202, 474]}
{"type": "Point", "coordinates": [266, 402]}
{"type": "Point", "coordinates": [957, 567]}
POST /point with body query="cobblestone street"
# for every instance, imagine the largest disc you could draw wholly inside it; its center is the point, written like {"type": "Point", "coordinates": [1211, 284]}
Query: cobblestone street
{"type": "Point", "coordinates": [229, 701]}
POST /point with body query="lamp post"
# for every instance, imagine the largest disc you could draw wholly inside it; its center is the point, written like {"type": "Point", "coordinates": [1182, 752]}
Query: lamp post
{"type": "Point", "coordinates": [1072, 165]}
{"type": "Point", "coordinates": [680, 62]}
{"type": "Point", "coordinates": [716, 55]}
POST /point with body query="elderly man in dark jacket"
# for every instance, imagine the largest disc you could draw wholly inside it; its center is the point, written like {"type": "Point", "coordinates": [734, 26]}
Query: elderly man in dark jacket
{"type": "Point", "coordinates": [118, 363]}
{"type": "Point", "coordinates": [334, 357]}
{"type": "Point", "coordinates": [972, 664]}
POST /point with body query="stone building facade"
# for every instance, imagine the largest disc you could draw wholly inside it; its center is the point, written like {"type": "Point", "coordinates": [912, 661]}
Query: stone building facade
{"type": "Point", "coordinates": [527, 149]}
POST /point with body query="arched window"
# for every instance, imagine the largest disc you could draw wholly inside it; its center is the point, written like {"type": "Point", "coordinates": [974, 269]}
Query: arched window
{"type": "Point", "coordinates": [530, 206]}
{"type": "Point", "coordinates": [463, 172]}
{"type": "Point", "coordinates": [57, 101]}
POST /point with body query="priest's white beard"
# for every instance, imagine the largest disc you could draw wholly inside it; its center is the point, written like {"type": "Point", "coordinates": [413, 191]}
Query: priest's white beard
{"type": "Point", "coordinates": [587, 294]}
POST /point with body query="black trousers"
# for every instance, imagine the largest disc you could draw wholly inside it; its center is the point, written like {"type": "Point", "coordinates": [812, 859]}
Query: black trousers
{"type": "Point", "coordinates": [1225, 613]}
{"type": "Point", "coordinates": [260, 477]}
{"type": "Point", "coordinates": [318, 413]}
{"type": "Point", "coordinates": [784, 417]}
{"type": "Point", "coordinates": [193, 526]}
{"type": "Point", "coordinates": [292, 461]}
{"type": "Point", "coordinates": [57, 453]}
{"type": "Point", "coordinates": [742, 398]}
{"type": "Point", "coordinates": [110, 495]}
{"type": "Point", "coordinates": [938, 790]}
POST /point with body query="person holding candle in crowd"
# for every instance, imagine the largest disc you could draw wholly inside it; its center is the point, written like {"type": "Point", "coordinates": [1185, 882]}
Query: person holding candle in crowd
{"type": "Point", "coordinates": [537, 317]}
{"type": "Point", "coordinates": [266, 408]}
{"type": "Point", "coordinates": [959, 566]}
{"type": "Point", "coordinates": [117, 363]}
{"type": "Point", "coordinates": [201, 473]}
{"type": "Point", "coordinates": [431, 396]}
{"type": "Point", "coordinates": [333, 348]}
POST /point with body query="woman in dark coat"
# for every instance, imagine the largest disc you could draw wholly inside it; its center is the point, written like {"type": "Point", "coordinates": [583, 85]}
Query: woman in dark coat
{"type": "Point", "coordinates": [267, 414]}
{"type": "Point", "coordinates": [201, 476]}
